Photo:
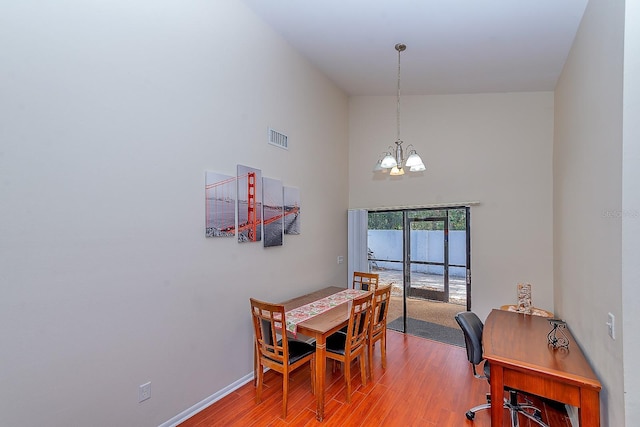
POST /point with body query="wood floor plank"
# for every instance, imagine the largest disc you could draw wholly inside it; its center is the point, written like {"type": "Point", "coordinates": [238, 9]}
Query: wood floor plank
{"type": "Point", "coordinates": [426, 384]}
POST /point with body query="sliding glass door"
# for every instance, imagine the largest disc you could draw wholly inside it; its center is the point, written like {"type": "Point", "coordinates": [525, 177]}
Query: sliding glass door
{"type": "Point", "coordinates": [426, 257]}
{"type": "Point", "coordinates": [424, 254]}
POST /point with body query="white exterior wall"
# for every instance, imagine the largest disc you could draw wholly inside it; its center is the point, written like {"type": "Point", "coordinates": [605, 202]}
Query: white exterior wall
{"type": "Point", "coordinates": [427, 245]}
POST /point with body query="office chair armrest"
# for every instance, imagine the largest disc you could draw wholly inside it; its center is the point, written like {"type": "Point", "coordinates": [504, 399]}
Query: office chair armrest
{"type": "Point", "coordinates": [477, 375]}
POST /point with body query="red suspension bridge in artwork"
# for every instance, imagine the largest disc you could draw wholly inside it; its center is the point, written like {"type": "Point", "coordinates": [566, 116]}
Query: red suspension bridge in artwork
{"type": "Point", "coordinates": [222, 192]}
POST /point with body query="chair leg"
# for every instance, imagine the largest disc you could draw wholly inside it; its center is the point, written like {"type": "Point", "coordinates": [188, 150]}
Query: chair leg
{"type": "Point", "coordinates": [383, 349]}
{"type": "Point", "coordinates": [518, 408]}
{"type": "Point", "coordinates": [285, 393]}
{"type": "Point", "coordinates": [363, 369]}
{"type": "Point", "coordinates": [514, 417]}
{"type": "Point", "coordinates": [534, 419]}
{"type": "Point", "coordinates": [347, 377]}
{"type": "Point", "coordinates": [471, 413]}
{"type": "Point", "coordinates": [255, 365]}
{"type": "Point", "coordinates": [260, 374]}
{"type": "Point", "coordinates": [370, 360]}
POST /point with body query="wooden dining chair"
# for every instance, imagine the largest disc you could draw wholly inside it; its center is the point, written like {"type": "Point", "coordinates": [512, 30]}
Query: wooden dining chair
{"type": "Point", "coordinates": [275, 350]}
{"type": "Point", "coordinates": [378, 325]}
{"type": "Point", "coordinates": [365, 281]}
{"type": "Point", "coordinates": [345, 347]}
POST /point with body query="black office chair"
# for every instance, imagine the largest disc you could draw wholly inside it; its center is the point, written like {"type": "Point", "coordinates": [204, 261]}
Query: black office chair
{"type": "Point", "coordinates": [472, 326]}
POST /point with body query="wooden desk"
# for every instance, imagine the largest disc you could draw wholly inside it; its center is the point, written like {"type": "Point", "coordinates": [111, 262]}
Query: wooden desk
{"type": "Point", "coordinates": [320, 327]}
{"type": "Point", "coordinates": [516, 347]}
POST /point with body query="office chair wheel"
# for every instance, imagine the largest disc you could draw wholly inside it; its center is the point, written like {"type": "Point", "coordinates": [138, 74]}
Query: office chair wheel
{"type": "Point", "coordinates": [470, 415]}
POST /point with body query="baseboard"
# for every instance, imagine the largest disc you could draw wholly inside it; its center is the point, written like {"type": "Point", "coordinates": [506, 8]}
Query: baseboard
{"type": "Point", "coordinates": [572, 412]}
{"type": "Point", "coordinates": [184, 415]}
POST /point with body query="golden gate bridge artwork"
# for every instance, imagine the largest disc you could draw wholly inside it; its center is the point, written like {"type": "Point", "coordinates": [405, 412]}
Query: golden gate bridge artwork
{"type": "Point", "coordinates": [292, 208]}
{"type": "Point", "coordinates": [220, 205]}
{"type": "Point", "coordinates": [220, 196]}
{"type": "Point", "coordinates": [272, 212]}
{"type": "Point", "coordinates": [249, 204]}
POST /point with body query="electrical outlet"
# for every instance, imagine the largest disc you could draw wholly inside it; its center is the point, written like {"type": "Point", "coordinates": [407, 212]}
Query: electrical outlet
{"type": "Point", "coordinates": [144, 392]}
{"type": "Point", "coordinates": [340, 259]}
{"type": "Point", "coordinates": [611, 325]}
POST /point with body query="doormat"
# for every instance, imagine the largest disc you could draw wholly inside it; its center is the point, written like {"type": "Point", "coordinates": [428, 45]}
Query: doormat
{"type": "Point", "coordinates": [429, 330]}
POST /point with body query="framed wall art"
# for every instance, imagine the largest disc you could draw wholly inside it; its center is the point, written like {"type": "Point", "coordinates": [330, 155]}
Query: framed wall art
{"type": "Point", "coordinates": [291, 210]}
{"type": "Point", "coordinates": [249, 204]}
{"type": "Point", "coordinates": [220, 205]}
{"type": "Point", "coordinates": [272, 212]}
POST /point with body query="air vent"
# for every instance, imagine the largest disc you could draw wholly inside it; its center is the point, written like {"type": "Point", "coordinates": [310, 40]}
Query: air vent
{"type": "Point", "coordinates": [278, 139]}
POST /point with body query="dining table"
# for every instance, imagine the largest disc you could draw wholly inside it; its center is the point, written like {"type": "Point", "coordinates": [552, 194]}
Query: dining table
{"type": "Point", "coordinates": [319, 324]}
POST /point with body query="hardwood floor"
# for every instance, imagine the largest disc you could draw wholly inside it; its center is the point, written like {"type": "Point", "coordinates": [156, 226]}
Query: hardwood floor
{"type": "Point", "coordinates": [426, 383]}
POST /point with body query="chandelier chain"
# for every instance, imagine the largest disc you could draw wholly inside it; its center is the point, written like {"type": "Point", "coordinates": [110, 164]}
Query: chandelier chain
{"type": "Point", "coordinates": [394, 161]}
{"type": "Point", "coordinates": [399, 48]}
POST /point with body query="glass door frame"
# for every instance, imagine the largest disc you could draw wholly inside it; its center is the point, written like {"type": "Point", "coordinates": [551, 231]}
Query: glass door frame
{"type": "Point", "coordinates": [406, 249]}
{"type": "Point", "coordinates": [408, 261]}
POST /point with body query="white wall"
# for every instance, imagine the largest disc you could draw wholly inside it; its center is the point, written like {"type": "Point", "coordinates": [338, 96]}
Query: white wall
{"type": "Point", "coordinates": [491, 148]}
{"type": "Point", "coordinates": [631, 205]}
{"type": "Point", "coordinates": [110, 113]}
{"type": "Point", "coordinates": [588, 196]}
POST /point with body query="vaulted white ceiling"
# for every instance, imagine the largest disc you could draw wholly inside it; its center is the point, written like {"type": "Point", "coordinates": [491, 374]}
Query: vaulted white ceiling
{"type": "Point", "coordinates": [453, 46]}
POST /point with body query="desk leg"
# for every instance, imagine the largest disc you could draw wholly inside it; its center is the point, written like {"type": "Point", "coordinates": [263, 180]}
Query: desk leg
{"type": "Point", "coordinates": [589, 411]}
{"type": "Point", "coordinates": [321, 349]}
{"type": "Point", "coordinates": [497, 395]}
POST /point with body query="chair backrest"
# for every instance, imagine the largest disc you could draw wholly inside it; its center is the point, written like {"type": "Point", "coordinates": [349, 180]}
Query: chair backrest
{"type": "Point", "coordinates": [365, 281]}
{"type": "Point", "coordinates": [359, 318]}
{"type": "Point", "coordinates": [268, 321]}
{"type": "Point", "coordinates": [380, 308]}
{"type": "Point", "coordinates": [472, 327]}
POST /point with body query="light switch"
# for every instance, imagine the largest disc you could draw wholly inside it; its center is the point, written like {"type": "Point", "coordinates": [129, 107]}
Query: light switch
{"type": "Point", "coordinates": [611, 324]}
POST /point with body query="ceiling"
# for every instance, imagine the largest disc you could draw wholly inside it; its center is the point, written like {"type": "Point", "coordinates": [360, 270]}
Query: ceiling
{"type": "Point", "coordinates": [453, 46]}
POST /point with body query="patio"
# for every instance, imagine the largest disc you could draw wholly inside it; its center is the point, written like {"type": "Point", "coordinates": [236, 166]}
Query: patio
{"type": "Point", "coordinates": [457, 285]}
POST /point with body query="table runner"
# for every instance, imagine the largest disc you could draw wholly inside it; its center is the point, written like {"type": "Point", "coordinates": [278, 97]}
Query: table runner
{"type": "Point", "coordinates": [300, 314]}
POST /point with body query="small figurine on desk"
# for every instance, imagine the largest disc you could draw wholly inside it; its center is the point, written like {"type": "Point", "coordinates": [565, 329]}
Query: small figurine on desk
{"type": "Point", "coordinates": [524, 298]}
{"type": "Point", "coordinates": [554, 340]}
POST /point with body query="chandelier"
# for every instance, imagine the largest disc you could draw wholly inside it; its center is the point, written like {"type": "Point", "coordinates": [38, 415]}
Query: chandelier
{"type": "Point", "coordinates": [393, 161]}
